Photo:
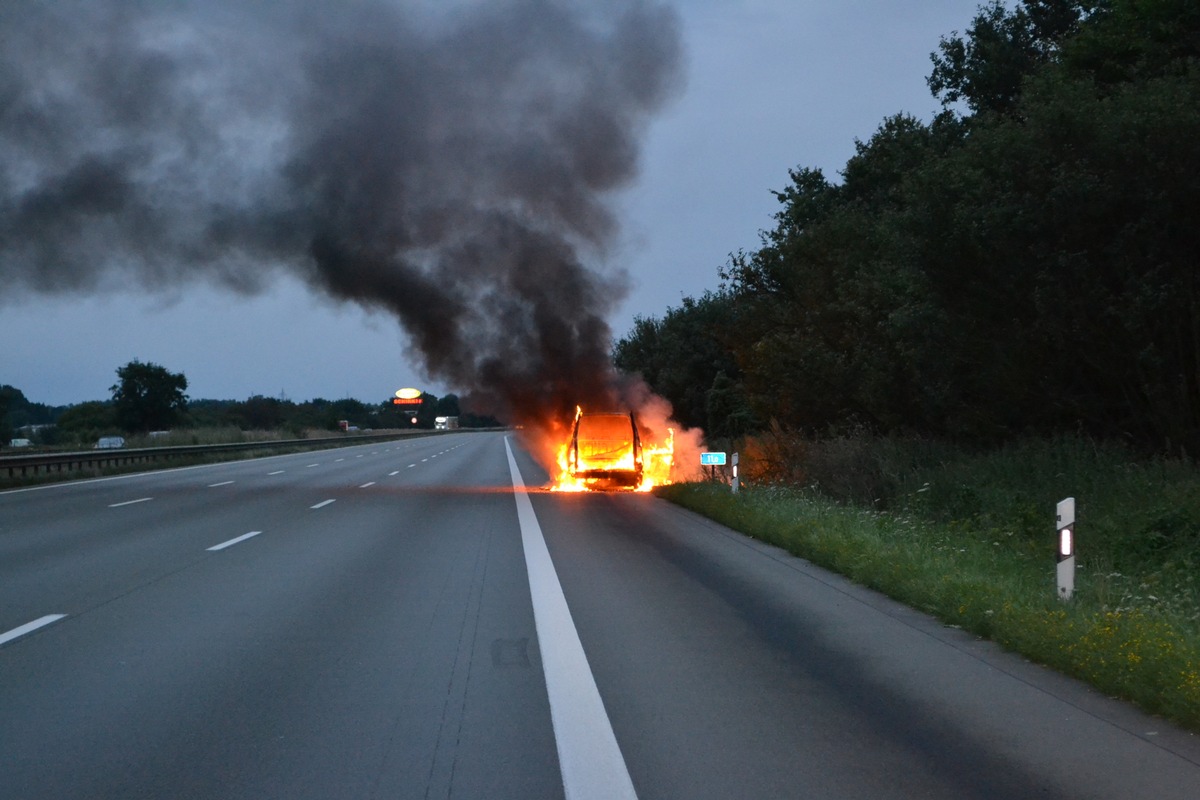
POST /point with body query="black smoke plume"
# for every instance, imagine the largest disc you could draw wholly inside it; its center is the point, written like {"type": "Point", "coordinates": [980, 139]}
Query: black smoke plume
{"type": "Point", "coordinates": [450, 165]}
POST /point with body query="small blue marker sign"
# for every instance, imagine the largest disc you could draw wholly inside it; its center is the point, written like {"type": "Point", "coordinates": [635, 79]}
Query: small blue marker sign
{"type": "Point", "coordinates": [712, 459]}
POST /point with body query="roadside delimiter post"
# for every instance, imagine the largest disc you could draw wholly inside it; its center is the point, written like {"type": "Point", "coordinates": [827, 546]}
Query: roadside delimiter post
{"type": "Point", "coordinates": [1066, 548]}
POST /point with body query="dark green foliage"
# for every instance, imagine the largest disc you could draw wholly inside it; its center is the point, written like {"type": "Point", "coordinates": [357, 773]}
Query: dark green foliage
{"type": "Point", "coordinates": [427, 411]}
{"type": "Point", "coordinates": [258, 413]}
{"type": "Point", "coordinates": [209, 413]}
{"type": "Point", "coordinates": [24, 419]}
{"type": "Point", "coordinates": [7, 395]}
{"type": "Point", "coordinates": [1079, 304]}
{"type": "Point", "coordinates": [86, 422]}
{"type": "Point", "coordinates": [986, 68]}
{"type": "Point", "coordinates": [148, 397]}
{"type": "Point", "coordinates": [447, 406]}
{"type": "Point", "coordinates": [834, 312]}
{"type": "Point", "coordinates": [682, 354]}
{"type": "Point", "coordinates": [1127, 41]}
{"type": "Point", "coordinates": [729, 413]}
{"type": "Point", "coordinates": [83, 423]}
{"type": "Point", "coordinates": [1028, 268]}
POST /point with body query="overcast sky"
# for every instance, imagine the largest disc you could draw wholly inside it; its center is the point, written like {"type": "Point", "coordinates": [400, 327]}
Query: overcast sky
{"type": "Point", "coordinates": [770, 85]}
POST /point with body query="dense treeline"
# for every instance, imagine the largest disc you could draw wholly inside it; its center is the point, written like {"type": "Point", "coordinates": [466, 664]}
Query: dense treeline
{"type": "Point", "coordinates": [148, 397]}
{"type": "Point", "coordinates": [1023, 263]}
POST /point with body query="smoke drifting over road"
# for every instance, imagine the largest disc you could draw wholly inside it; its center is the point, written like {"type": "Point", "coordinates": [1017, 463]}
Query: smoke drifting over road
{"type": "Point", "coordinates": [450, 166]}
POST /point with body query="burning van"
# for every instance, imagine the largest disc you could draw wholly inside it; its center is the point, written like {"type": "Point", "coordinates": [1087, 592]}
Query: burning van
{"type": "Point", "coordinates": [605, 451]}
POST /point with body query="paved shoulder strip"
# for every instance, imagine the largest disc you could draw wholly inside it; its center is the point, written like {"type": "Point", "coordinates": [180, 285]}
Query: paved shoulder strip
{"type": "Point", "coordinates": [591, 761]}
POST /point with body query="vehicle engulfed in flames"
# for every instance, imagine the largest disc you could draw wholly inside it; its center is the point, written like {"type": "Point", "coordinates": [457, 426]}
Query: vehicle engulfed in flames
{"type": "Point", "coordinates": [606, 452]}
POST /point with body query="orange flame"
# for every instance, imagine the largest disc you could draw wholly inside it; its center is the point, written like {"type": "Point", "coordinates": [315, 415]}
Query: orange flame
{"type": "Point", "coordinates": [653, 469]}
{"type": "Point", "coordinates": [669, 452]}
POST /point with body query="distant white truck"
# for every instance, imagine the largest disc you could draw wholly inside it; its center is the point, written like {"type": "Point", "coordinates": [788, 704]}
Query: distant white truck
{"type": "Point", "coordinates": [445, 423]}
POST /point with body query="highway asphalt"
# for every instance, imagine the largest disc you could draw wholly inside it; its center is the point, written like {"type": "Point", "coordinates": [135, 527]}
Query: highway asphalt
{"type": "Point", "coordinates": [397, 621]}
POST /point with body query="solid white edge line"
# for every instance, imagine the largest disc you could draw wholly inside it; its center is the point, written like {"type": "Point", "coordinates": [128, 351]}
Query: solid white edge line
{"type": "Point", "coordinates": [130, 502]}
{"type": "Point", "coordinates": [588, 754]}
{"type": "Point", "coordinates": [321, 504]}
{"type": "Point", "coordinates": [232, 542]}
{"type": "Point", "coordinates": [29, 627]}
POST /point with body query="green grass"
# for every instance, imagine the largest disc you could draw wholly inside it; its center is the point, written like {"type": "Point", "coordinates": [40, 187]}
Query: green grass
{"type": "Point", "coordinates": [970, 539]}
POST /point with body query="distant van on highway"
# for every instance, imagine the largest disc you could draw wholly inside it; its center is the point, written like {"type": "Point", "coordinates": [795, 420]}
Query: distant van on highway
{"type": "Point", "coordinates": [109, 443]}
{"type": "Point", "coordinates": [19, 443]}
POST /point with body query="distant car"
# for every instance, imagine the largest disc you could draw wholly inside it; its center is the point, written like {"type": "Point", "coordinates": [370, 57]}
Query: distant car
{"type": "Point", "coordinates": [110, 443]}
{"type": "Point", "coordinates": [605, 451]}
{"type": "Point", "coordinates": [20, 443]}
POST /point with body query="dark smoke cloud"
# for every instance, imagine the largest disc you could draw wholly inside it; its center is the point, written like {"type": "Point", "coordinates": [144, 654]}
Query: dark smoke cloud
{"type": "Point", "coordinates": [451, 168]}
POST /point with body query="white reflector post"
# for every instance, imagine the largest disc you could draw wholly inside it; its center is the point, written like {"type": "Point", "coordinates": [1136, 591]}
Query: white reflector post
{"type": "Point", "coordinates": [735, 471]}
{"type": "Point", "coordinates": [1066, 548]}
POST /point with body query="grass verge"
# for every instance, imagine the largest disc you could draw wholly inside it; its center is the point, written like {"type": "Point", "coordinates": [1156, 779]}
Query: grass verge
{"type": "Point", "coordinates": [1131, 629]}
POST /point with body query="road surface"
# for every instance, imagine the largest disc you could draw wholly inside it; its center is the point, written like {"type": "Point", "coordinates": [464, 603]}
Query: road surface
{"type": "Point", "coordinates": [404, 620]}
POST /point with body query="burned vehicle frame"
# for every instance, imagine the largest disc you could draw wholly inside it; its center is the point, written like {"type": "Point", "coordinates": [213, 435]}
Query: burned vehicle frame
{"type": "Point", "coordinates": [605, 451]}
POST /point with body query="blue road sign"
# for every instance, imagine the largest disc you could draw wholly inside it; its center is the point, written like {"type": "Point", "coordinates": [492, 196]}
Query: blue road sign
{"type": "Point", "coordinates": [712, 459]}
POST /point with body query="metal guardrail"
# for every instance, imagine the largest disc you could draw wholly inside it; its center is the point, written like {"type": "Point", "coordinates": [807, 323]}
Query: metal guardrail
{"type": "Point", "coordinates": [39, 463]}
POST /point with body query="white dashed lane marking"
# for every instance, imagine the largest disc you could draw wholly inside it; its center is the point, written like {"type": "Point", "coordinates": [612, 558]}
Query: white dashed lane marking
{"type": "Point", "coordinates": [234, 541]}
{"type": "Point", "coordinates": [29, 627]}
{"type": "Point", "coordinates": [131, 502]}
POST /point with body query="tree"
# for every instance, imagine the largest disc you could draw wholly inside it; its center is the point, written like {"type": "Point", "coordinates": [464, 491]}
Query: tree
{"type": "Point", "coordinates": [260, 413]}
{"type": "Point", "coordinates": [1026, 269]}
{"type": "Point", "coordinates": [86, 421]}
{"type": "Point", "coordinates": [680, 355]}
{"type": "Point", "coordinates": [427, 412]}
{"type": "Point", "coordinates": [729, 414]}
{"type": "Point", "coordinates": [9, 397]}
{"type": "Point", "coordinates": [448, 406]}
{"type": "Point", "coordinates": [1131, 40]}
{"type": "Point", "coordinates": [147, 397]}
{"type": "Point", "coordinates": [986, 68]}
